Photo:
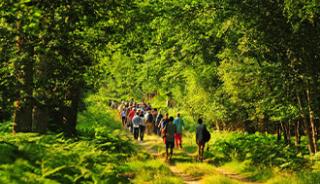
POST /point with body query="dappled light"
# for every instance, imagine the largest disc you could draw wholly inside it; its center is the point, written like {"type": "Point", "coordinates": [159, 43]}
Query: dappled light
{"type": "Point", "coordinates": [159, 91]}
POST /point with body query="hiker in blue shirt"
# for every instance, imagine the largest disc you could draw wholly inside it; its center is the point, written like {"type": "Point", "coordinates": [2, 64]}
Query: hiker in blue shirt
{"type": "Point", "coordinates": [178, 122]}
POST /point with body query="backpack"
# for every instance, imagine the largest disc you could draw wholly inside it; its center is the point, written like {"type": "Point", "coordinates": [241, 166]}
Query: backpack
{"type": "Point", "coordinates": [164, 132]}
{"type": "Point", "coordinates": [206, 135]}
{"type": "Point", "coordinates": [163, 128]}
{"type": "Point", "coordinates": [149, 117]}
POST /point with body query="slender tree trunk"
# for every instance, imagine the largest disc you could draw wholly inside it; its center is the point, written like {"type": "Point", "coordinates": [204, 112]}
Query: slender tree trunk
{"type": "Point", "coordinates": [307, 128]}
{"type": "Point", "coordinates": [266, 124]}
{"type": "Point", "coordinates": [297, 133]}
{"type": "Point", "coordinates": [278, 131]}
{"type": "Point", "coordinates": [217, 125]}
{"type": "Point", "coordinates": [24, 75]}
{"type": "Point", "coordinates": [286, 132]}
{"type": "Point", "coordinates": [312, 121]}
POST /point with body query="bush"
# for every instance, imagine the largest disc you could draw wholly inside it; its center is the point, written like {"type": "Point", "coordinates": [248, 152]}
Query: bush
{"type": "Point", "coordinates": [93, 157]}
{"type": "Point", "coordinates": [261, 150]}
{"type": "Point", "coordinates": [9, 152]}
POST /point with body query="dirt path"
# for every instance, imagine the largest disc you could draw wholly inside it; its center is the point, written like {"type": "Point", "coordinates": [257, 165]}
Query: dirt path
{"type": "Point", "coordinates": [155, 147]}
{"type": "Point", "coordinates": [188, 179]}
{"type": "Point", "coordinates": [235, 176]}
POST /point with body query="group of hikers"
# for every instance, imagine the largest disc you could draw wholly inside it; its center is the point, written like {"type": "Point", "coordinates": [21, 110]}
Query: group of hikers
{"type": "Point", "coordinates": [141, 117]}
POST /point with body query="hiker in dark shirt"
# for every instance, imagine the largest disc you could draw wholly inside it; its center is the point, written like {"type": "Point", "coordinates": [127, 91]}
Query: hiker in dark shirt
{"type": "Point", "coordinates": [170, 130]}
{"type": "Point", "coordinates": [200, 138]}
{"type": "Point", "coordinates": [162, 126]}
{"type": "Point", "coordinates": [154, 115]}
{"type": "Point", "coordinates": [158, 120]}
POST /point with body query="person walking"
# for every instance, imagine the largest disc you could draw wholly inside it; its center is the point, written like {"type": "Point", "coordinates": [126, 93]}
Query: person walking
{"type": "Point", "coordinates": [149, 121]}
{"type": "Point", "coordinates": [154, 124]}
{"type": "Point", "coordinates": [158, 123]}
{"type": "Point", "coordinates": [136, 120]}
{"type": "Point", "coordinates": [202, 136]}
{"type": "Point", "coordinates": [123, 117]}
{"type": "Point", "coordinates": [131, 114]}
{"type": "Point", "coordinates": [170, 130]}
{"type": "Point", "coordinates": [162, 126]}
{"type": "Point", "coordinates": [178, 122]}
{"type": "Point", "coordinates": [142, 126]}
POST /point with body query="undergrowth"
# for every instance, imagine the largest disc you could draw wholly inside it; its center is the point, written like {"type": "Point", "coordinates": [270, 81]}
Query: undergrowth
{"type": "Point", "coordinates": [257, 150]}
{"type": "Point", "coordinates": [102, 153]}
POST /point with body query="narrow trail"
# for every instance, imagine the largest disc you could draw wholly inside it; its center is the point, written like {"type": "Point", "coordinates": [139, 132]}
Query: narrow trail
{"type": "Point", "coordinates": [188, 179]}
{"type": "Point", "coordinates": [154, 146]}
{"type": "Point", "coordinates": [235, 176]}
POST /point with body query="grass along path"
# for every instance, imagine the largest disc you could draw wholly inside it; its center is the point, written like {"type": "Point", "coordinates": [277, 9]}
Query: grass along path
{"type": "Point", "coordinates": [185, 165]}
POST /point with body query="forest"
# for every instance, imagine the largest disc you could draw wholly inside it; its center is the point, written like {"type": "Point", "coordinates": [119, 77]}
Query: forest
{"type": "Point", "coordinates": [250, 69]}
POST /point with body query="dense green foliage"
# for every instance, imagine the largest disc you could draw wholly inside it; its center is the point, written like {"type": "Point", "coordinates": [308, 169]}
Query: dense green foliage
{"type": "Point", "coordinates": [241, 65]}
{"type": "Point", "coordinates": [94, 157]}
{"type": "Point", "coordinates": [47, 51]}
{"type": "Point", "coordinates": [102, 153]}
{"type": "Point", "coordinates": [245, 65]}
{"type": "Point", "coordinates": [249, 65]}
{"type": "Point", "coordinates": [257, 150]}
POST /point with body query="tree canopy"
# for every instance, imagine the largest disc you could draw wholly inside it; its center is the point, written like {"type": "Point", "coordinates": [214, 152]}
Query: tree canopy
{"type": "Point", "coordinates": [243, 63]}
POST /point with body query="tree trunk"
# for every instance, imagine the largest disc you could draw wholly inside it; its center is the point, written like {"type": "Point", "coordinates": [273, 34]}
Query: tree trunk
{"type": "Point", "coordinates": [307, 128]}
{"type": "Point", "coordinates": [56, 118]}
{"type": "Point", "coordinates": [72, 112]}
{"type": "Point", "coordinates": [266, 124]}
{"type": "Point", "coordinates": [312, 121]}
{"type": "Point", "coordinates": [279, 132]}
{"type": "Point", "coordinates": [40, 111]}
{"type": "Point", "coordinates": [24, 75]}
{"type": "Point", "coordinates": [286, 132]}
{"type": "Point", "coordinates": [217, 125]}
{"type": "Point", "coordinates": [40, 119]}
{"type": "Point", "coordinates": [297, 133]}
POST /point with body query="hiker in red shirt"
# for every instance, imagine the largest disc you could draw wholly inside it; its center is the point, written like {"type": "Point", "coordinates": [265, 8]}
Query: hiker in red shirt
{"type": "Point", "coordinates": [131, 115]}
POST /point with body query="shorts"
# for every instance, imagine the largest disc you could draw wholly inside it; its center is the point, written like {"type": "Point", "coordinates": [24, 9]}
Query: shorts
{"type": "Point", "coordinates": [169, 144]}
{"type": "Point", "coordinates": [200, 143]}
{"type": "Point", "coordinates": [177, 137]}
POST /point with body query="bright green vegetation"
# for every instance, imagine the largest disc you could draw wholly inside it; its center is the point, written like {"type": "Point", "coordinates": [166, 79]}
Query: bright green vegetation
{"type": "Point", "coordinates": [152, 171]}
{"type": "Point", "coordinates": [93, 157]}
{"type": "Point", "coordinates": [249, 68]}
{"type": "Point", "coordinates": [255, 157]}
{"type": "Point", "coordinates": [103, 153]}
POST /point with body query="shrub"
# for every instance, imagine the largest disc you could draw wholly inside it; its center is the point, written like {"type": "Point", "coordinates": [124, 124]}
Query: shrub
{"type": "Point", "coordinates": [261, 150]}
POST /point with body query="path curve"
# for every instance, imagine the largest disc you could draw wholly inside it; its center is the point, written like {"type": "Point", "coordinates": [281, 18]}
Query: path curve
{"type": "Point", "coordinates": [151, 141]}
